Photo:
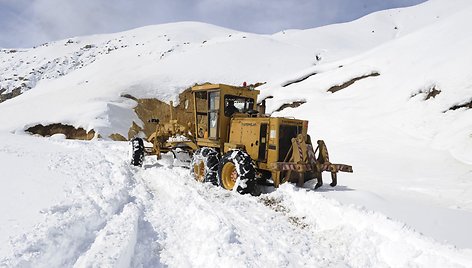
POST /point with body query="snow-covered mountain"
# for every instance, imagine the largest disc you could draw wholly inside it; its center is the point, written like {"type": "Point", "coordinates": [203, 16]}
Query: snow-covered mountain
{"type": "Point", "coordinates": [390, 93]}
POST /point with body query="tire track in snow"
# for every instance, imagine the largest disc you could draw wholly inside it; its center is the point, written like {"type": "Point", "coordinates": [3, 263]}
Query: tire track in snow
{"type": "Point", "coordinates": [199, 225]}
{"type": "Point", "coordinates": [115, 242]}
{"type": "Point", "coordinates": [127, 239]}
{"type": "Point", "coordinates": [121, 242]}
{"type": "Point", "coordinates": [157, 216]}
{"type": "Point", "coordinates": [99, 209]}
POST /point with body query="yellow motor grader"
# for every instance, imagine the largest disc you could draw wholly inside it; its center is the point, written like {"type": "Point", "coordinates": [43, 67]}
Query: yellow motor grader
{"type": "Point", "coordinates": [233, 144]}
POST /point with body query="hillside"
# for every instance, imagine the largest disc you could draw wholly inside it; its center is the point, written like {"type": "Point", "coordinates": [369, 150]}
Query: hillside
{"type": "Point", "coordinates": [163, 60]}
{"type": "Point", "coordinates": [390, 94]}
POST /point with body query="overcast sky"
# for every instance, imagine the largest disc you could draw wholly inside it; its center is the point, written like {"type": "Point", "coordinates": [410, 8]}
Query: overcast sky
{"type": "Point", "coordinates": [26, 23]}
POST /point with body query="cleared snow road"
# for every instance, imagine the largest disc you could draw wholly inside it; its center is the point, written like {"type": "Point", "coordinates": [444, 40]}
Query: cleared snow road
{"type": "Point", "coordinates": [114, 215]}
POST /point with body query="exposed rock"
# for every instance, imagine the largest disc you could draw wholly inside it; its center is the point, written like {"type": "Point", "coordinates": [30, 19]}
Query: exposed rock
{"type": "Point", "coordinates": [15, 92]}
{"type": "Point", "coordinates": [467, 105]}
{"type": "Point", "coordinates": [117, 137]}
{"type": "Point", "coordinates": [350, 82]}
{"type": "Point", "coordinates": [431, 92]}
{"type": "Point", "coordinates": [299, 80]}
{"type": "Point", "coordinates": [294, 104]}
{"type": "Point", "coordinates": [69, 131]}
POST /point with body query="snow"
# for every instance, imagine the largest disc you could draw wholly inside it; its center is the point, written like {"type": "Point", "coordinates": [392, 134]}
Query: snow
{"type": "Point", "coordinates": [71, 203]}
{"type": "Point", "coordinates": [160, 60]}
{"type": "Point", "coordinates": [411, 152]}
{"type": "Point", "coordinates": [116, 215]}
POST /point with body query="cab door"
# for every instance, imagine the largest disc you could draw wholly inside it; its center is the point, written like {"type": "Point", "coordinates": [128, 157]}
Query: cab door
{"type": "Point", "coordinates": [263, 139]}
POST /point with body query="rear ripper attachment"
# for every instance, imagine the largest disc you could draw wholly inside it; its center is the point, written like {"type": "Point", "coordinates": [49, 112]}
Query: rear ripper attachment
{"type": "Point", "coordinates": [302, 164]}
{"type": "Point", "coordinates": [235, 145]}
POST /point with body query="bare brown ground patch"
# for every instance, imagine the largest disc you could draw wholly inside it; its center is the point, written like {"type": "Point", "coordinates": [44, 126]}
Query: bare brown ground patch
{"type": "Point", "coordinates": [467, 105]}
{"type": "Point", "coordinates": [429, 93]}
{"type": "Point", "coordinates": [299, 80]}
{"type": "Point", "coordinates": [69, 131]}
{"type": "Point", "coordinates": [432, 93]}
{"type": "Point", "coordinates": [6, 96]}
{"type": "Point", "coordinates": [294, 104]}
{"type": "Point", "coordinates": [344, 85]}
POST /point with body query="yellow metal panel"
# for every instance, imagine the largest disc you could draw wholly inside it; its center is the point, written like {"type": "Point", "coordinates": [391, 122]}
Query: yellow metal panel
{"type": "Point", "coordinates": [273, 145]}
{"type": "Point", "coordinates": [246, 131]}
{"type": "Point", "coordinates": [208, 143]}
{"type": "Point", "coordinates": [205, 87]}
{"type": "Point", "coordinates": [231, 146]}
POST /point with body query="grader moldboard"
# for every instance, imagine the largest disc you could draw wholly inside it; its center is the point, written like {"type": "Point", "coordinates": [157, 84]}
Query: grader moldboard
{"type": "Point", "coordinates": [235, 146]}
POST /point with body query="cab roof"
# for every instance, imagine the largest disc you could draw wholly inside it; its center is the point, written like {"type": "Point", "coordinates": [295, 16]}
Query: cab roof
{"type": "Point", "coordinates": [209, 86]}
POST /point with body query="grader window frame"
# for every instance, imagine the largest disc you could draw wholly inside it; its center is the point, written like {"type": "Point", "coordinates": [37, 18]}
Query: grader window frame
{"type": "Point", "coordinates": [242, 104]}
{"type": "Point", "coordinates": [287, 130]}
{"type": "Point", "coordinates": [207, 109]}
{"type": "Point", "coordinates": [213, 114]}
{"type": "Point", "coordinates": [201, 113]}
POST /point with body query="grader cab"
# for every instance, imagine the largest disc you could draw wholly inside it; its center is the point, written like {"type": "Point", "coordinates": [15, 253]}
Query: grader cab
{"type": "Point", "coordinates": [234, 145]}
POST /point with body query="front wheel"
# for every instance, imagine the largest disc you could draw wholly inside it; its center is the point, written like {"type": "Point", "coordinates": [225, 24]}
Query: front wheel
{"type": "Point", "coordinates": [204, 165]}
{"type": "Point", "coordinates": [236, 169]}
{"type": "Point", "coordinates": [137, 152]}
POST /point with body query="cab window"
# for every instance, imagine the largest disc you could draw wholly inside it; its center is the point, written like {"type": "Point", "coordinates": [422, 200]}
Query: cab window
{"type": "Point", "coordinates": [236, 104]}
{"type": "Point", "coordinates": [213, 109]}
{"type": "Point", "coordinates": [202, 113]}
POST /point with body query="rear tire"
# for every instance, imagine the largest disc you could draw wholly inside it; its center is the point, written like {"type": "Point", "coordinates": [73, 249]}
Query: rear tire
{"type": "Point", "coordinates": [137, 152]}
{"type": "Point", "coordinates": [204, 165]}
{"type": "Point", "coordinates": [236, 168]}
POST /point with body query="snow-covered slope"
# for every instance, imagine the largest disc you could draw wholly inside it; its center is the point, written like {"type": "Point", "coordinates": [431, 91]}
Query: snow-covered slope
{"type": "Point", "coordinates": [84, 77]}
{"type": "Point", "coordinates": [433, 57]}
{"type": "Point", "coordinates": [410, 146]}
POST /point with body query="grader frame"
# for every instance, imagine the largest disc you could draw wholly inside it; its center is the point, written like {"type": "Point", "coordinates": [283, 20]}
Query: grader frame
{"type": "Point", "coordinates": [279, 148]}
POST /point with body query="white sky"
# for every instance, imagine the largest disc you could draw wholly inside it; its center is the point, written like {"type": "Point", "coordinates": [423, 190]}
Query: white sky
{"type": "Point", "coordinates": [25, 23]}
